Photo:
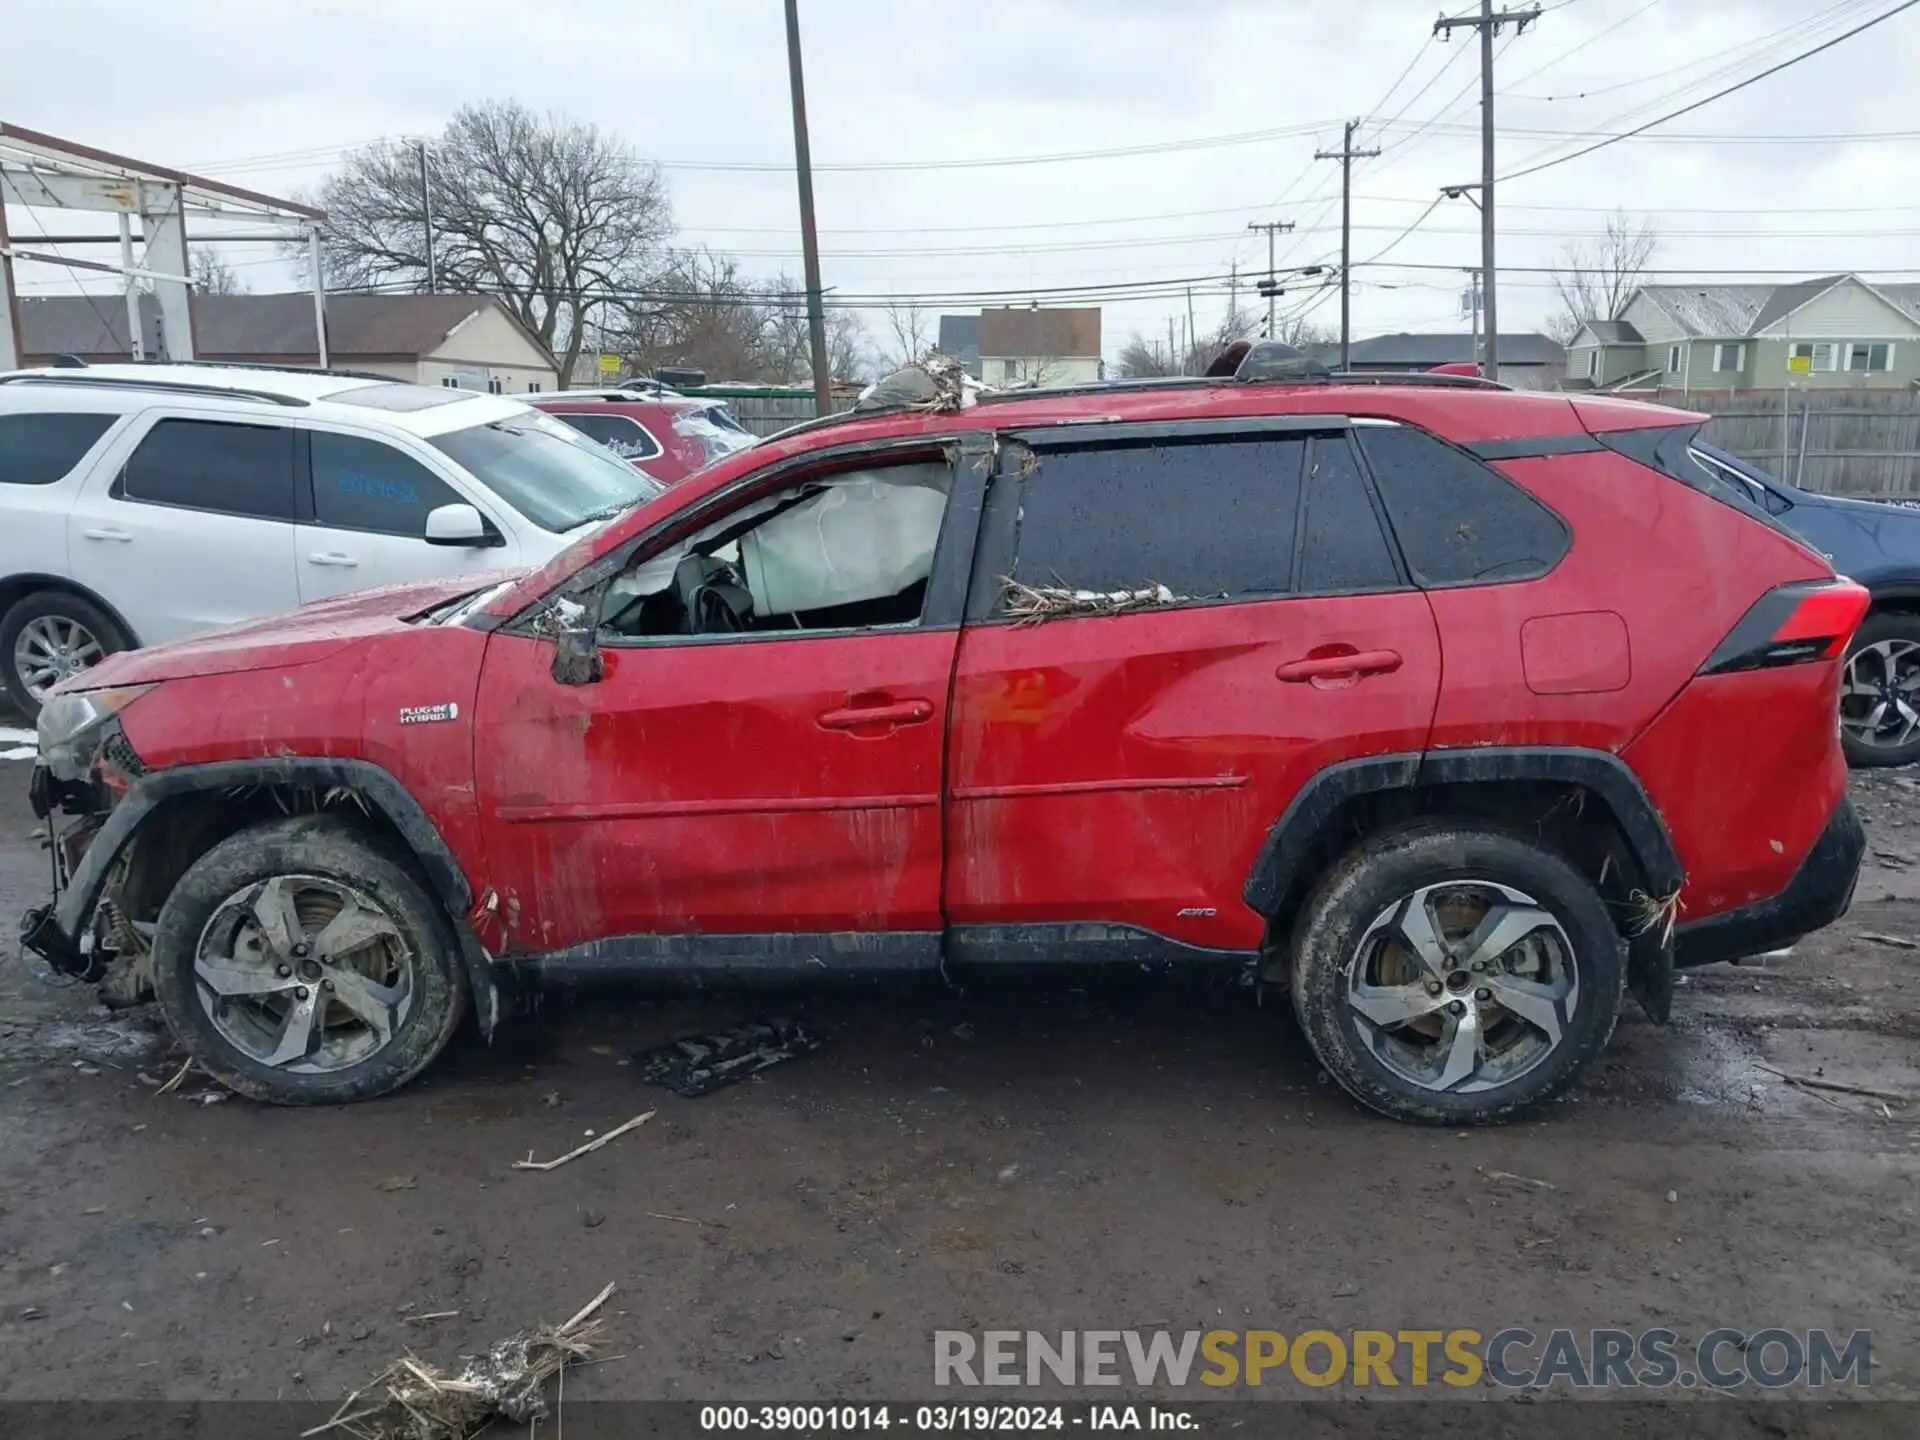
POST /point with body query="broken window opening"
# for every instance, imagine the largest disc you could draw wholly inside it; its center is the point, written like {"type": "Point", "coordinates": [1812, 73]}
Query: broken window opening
{"type": "Point", "coordinates": [851, 551]}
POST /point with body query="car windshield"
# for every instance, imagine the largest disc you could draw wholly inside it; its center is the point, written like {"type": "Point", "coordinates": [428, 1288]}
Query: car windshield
{"type": "Point", "coordinates": [553, 475]}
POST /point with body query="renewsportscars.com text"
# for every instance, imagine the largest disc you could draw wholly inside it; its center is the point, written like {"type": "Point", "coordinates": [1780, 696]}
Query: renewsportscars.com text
{"type": "Point", "coordinates": [1722, 1359]}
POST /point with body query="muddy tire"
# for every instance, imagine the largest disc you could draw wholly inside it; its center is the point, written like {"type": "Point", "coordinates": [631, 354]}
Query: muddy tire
{"type": "Point", "coordinates": [50, 635]}
{"type": "Point", "coordinates": [301, 963]}
{"type": "Point", "coordinates": [1455, 973]}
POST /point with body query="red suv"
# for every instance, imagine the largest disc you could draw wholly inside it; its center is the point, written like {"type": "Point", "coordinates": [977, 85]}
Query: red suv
{"type": "Point", "coordinates": [662, 434]}
{"type": "Point", "coordinates": [1458, 712]}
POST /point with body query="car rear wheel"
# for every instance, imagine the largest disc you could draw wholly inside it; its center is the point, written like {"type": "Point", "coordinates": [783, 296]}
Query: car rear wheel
{"type": "Point", "coordinates": [301, 964]}
{"type": "Point", "coordinates": [50, 636]}
{"type": "Point", "coordinates": [1454, 973]}
{"type": "Point", "coordinates": [1880, 692]}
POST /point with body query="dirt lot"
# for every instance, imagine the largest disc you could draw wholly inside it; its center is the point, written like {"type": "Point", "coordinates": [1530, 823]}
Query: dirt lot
{"type": "Point", "coordinates": [1034, 1159]}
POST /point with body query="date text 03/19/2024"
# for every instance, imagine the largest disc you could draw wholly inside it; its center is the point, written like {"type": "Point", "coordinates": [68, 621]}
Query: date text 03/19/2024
{"type": "Point", "coordinates": [940, 1419]}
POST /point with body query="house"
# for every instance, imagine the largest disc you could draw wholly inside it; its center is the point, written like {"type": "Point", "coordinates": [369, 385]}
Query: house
{"type": "Point", "coordinates": [472, 341]}
{"type": "Point", "coordinates": [960, 338]}
{"type": "Point", "coordinates": [1528, 361]}
{"type": "Point", "coordinates": [1032, 346]}
{"type": "Point", "coordinates": [1841, 331]}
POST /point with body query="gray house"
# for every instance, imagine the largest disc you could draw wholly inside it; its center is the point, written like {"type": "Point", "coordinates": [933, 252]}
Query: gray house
{"type": "Point", "coordinates": [1836, 331]}
{"type": "Point", "coordinates": [960, 338]}
{"type": "Point", "coordinates": [1528, 361]}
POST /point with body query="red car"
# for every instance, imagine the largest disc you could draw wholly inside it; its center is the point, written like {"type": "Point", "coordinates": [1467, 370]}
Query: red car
{"type": "Point", "coordinates": [1457, 712]}
{"type": "Point", "coordinates": [667, 436]}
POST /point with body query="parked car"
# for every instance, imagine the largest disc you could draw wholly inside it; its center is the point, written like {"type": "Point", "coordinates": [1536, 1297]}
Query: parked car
{"type": "Point", "coordinates": [1390, 694]}
{"type": "Point", "coordinates": [143, 503]}
{"type": "Point", "coordinates": [1878, 545]}
{"type": "Point", "coordinates": [666, 435]}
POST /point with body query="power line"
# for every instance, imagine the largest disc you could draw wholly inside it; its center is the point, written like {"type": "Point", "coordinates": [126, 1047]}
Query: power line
{"type": "Point", "coordinates": [1576, 49]}
{"type": "Point", "coordinates": [1721, 94]}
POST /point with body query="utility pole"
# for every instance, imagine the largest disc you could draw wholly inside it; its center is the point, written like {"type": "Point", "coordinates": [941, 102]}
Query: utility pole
{"type": "Point", "coordinates": [1346, 155]}
{"type": "Point", "coordinates": [1488, 22]}
{"type": "Point", "coordinates": [1272, 227]}
{"type": "Point", "coordinates": [809, 237]}
{"type": "Point", "coordinates": [1473, 309]}
{"type": "Point", "coordinates": [426, 212]}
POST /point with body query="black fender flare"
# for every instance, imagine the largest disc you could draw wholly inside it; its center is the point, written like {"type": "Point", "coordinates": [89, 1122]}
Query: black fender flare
{"type": "Point", "coordinates": [379, 788]}
{"type": "Point", "coordinates": [1288, 846]}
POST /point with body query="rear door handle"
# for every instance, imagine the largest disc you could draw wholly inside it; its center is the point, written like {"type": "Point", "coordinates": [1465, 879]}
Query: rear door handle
{"type": "Point", "coordinates": [333, 557]}
{"type": "Point", "coordinates": [858, 717]}
{"type": "Point", "coordinates": [102, 532]}
{"type": "Point", "coordinates": [1339, 667]}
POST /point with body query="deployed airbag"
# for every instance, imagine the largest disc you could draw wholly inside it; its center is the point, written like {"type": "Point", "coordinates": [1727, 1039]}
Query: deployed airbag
{"type": "Point", "coordinates": [868, 535]}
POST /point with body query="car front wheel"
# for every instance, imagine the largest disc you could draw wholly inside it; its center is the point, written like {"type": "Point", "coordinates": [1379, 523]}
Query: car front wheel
{"type": "Point", "coordinates": [1454, 973]}
{"type": "Point", "coordinates": [301, 963]}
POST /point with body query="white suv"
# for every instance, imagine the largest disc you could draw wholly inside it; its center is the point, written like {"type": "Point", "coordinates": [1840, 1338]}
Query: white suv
{"type": "Point", "coordinates": [139, 503]}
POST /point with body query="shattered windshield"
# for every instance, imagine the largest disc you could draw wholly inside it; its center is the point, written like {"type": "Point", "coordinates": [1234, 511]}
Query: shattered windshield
{"type": "Point", "coordinates": [553, 475]}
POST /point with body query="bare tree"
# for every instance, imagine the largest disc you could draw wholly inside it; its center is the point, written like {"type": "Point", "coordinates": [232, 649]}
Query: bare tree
{"type": "Point", "coordinates": [700, 310]}
{"type": "Point", "coordinates": [549, 214]}
{"type": "Point", "coordinates": [1144, 359]}
{"type": "Point", "coordinates": [1596, 280]}
{"type": "Point", "coordinates": [212, 275]}
{"type": "Point", "coordinates": [904, 334]}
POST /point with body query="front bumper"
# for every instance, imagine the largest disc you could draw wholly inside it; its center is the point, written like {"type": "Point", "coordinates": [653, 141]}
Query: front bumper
{"type": "Point", "coordinates": [1818, 894]}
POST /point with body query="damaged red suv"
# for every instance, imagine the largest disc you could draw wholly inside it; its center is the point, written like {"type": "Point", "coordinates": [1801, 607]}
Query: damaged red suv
{"type": "Point", "coordinates": [1460, 713]}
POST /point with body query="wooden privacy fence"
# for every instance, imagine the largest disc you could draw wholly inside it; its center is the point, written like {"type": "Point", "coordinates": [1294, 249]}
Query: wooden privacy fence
{"type": "Point", "coordinates": [1843, 442]}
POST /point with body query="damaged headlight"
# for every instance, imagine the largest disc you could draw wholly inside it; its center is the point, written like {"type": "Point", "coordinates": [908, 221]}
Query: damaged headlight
{"type": "Point", "coordinates": [71, 727]}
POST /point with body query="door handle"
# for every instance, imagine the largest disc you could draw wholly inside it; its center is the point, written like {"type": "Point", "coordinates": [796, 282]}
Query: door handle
{"type": "Point", "coordinates": [333, 557]}
{"type": "Point", "coordinates": [890, 714]}
{"type": "Point", "coordinates": [1352, 663]}
{"type": "Point", "coordinates": [102, 532]}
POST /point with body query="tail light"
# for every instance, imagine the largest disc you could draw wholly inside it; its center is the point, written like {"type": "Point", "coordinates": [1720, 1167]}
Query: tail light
{"type": "Point", "coordinates": [1792, 625]}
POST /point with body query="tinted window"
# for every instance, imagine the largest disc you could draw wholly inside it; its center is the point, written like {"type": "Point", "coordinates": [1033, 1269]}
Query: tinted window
{"type": "Point", "coordinates": [1670, 450]}
{"type": "Point", "coordinates": [1207, 520]}
{"type": "Point", "coordinates": [622, 434]}
{"type": "Point", "coordinates": [40, 449]}
{"type": "Point", "coordinates": [204, 465]}
{"type": "Point", "coordinates": [1456, 520]}
{"type": "Point", "coordinates": [1342, 547]}
{"type": "Point", "coordinates": [365, 485]}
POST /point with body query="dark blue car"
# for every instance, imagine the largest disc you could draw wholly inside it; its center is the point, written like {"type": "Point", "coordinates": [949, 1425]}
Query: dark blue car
{"type": "Point", "coordinates": [1878, 545]}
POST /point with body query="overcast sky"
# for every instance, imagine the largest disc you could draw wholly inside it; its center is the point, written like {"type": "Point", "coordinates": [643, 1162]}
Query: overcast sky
{"type": "Point", "coordinates": [267, 96]}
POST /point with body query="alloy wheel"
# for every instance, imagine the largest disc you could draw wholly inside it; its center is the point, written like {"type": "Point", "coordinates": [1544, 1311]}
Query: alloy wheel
{"type": "Point", "coordinates": [52, 648]}
{"type": "Point", "coordinates": [1463, 986]}
{"type": "Point", "coordinates": [1880, 694]}
{"type": "Point", "coordinates": [304, 974]}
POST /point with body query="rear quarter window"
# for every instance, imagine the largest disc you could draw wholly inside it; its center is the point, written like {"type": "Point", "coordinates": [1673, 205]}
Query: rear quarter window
{"type": "Point", "coordinates": [1458, 522]}
{"type": "Point", "coordinates": [40, 449]}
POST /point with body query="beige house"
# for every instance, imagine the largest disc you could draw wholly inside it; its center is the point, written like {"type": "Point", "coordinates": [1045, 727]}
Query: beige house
{"type": "Point", "coordinates": [1030, 346]}
{"type": "Point", "coordinates": [472, 341]}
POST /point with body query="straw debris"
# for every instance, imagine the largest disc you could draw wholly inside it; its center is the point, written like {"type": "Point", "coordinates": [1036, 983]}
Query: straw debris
{"type": "Point", "coordinates": [1034, 604]}
{"type": "Point", "coordinates": [413, 1399]}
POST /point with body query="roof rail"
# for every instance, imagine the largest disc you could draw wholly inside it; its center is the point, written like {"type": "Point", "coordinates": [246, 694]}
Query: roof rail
{"type": "Point", "coordinates": [281, 369]}
{"type": "Point", "coordinates": [170, 387]}
{"type": "Point", "coordinates": [1415, 377]}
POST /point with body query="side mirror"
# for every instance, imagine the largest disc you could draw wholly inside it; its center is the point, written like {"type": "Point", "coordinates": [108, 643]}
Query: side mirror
{"type": "Point", "coordinates": [576, 648]}
{"type": "Point", "coordinates": [459, 525]}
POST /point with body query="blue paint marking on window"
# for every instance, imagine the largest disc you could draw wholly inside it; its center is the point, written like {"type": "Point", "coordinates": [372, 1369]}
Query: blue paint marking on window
{"type": "Point", "coordinates": [376, 487]}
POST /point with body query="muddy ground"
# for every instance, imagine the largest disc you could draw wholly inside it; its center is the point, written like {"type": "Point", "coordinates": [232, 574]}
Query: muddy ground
{"type": "Point", "coordinates": [1043, 1159]}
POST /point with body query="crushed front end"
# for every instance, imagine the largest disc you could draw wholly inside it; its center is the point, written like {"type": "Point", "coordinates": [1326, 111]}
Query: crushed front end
{"type": "Point", "coordinates": [85, 768]}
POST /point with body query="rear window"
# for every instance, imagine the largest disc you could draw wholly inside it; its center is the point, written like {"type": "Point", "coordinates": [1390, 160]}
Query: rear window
{"type": "Point", "coordinates": [40, 449]}
{"type": "Point", "coordinates": [1458, 522]}
{"type": "Point", "coordinates": [1211, 520]}
{"type": "Point", "coordinates": [1670, 450]}
{"type": "Point", "coordinates": [206, 465]}
{"type": "Point", "coordinates": [622, 434]}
